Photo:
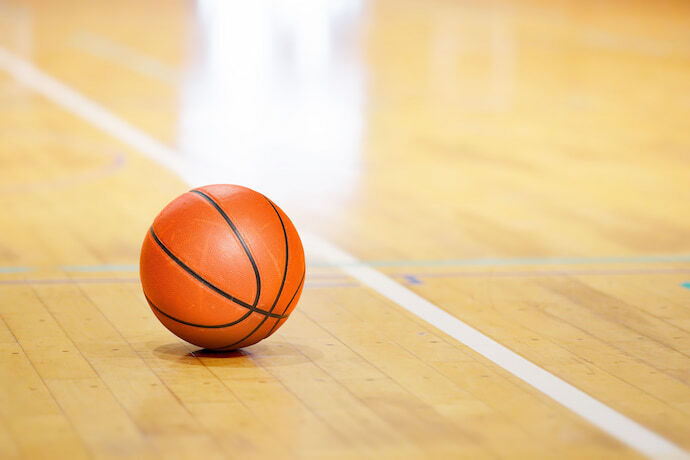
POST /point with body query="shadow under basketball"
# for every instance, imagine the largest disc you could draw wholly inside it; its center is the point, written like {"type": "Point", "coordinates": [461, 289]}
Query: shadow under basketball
{"type": "Point", "coordinates": [271, 354]}
{"type": "Point", "coordinates": [225, 354]}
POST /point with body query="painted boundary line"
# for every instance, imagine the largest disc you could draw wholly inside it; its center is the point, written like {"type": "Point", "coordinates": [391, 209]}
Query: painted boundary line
{"type": "Point", "coordinates": [497, 262]}
{"type": "Point", "coordinates": [615, 424]}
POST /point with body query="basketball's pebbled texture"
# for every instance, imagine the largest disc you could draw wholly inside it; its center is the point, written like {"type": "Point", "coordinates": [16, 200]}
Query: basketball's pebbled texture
{"type": "Point", "coordinates": [222, 267]}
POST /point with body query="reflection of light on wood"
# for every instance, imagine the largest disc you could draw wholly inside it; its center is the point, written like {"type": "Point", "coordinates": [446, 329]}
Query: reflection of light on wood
{"type": "Point", "coordinates": [127, 57]}
{"type": "Point", "coordinates": [502, 61]}
{"type": "Point", "coordinates": [16, 28]}
{"type": "Point", "coordinates": [459, 45]}
{"type": "Point", "coordinates": [37, 168]}
{"type": "Point", "coordinates": [275, 101]}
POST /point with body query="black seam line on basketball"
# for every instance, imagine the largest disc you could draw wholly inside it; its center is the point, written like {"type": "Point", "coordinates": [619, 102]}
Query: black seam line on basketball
{"type": "Point", "coordinates": [282, 283]}
{"type": "Point", "coordinates": [278, 320]}
{"type": "Point", "coordinates": [207, 283]}
{"type": "Point", "coordinates": [299, 286]}
{"type": "Point", "coordinates": [239, 237]}
{"type": "Point", "coordinates": [205, 326]}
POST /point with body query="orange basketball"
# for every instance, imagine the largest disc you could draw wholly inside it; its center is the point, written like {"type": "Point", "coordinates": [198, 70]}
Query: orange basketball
{"type": "Point", "coordinates": [222, 267]}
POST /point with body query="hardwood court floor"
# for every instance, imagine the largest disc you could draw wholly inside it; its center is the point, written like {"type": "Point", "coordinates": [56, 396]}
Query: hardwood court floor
{"type": "Point", "coordinates": [524, 166]}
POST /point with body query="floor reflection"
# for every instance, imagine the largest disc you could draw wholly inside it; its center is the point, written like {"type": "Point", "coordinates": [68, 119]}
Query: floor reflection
{"type": "Point", "coordinates": [274, 98]}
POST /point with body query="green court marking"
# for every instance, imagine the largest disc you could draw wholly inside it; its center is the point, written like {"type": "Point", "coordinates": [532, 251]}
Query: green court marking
{"type": "Point", "coordinates": [483, 262]}
{"type": "Point", "coordinates": [686, 285]}
{"type": "Point", "coordinates": [99, 268]}
{"type": "Point", "coordinates": [14, 269]}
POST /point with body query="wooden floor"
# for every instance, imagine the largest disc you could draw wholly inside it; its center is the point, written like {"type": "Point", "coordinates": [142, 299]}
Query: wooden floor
{"type": "Point", "coordinates": [525, 166]}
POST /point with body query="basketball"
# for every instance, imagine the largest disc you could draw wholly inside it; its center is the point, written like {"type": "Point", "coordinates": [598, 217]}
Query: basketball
{"type": "Point", "coordinates": [222, 267]}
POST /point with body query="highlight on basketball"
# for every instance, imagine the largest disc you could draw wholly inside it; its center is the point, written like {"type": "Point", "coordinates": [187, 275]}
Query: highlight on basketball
{"type": "Point", "coordinates": [345, 229]}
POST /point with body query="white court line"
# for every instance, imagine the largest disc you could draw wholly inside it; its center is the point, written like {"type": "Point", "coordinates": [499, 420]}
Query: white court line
{"type": "Point", "coordinates": [615, 424]}
{"type": "Point", "coordinates": [126, 57]}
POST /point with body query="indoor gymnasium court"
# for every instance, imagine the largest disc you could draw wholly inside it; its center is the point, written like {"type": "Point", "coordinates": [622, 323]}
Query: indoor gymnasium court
{"type": "Point", "coordinates": [493, 199]}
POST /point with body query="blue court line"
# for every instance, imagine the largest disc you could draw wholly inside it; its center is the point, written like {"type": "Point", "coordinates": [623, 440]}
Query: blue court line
{"type": "Point", "coordinates": [14, 269]}
{"type": "Point", "coordinates": [686, 285]}
{"type": "Point", "coordinates": [412, 279]}
{"type": "Point", "coordinates": [489, 262]}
